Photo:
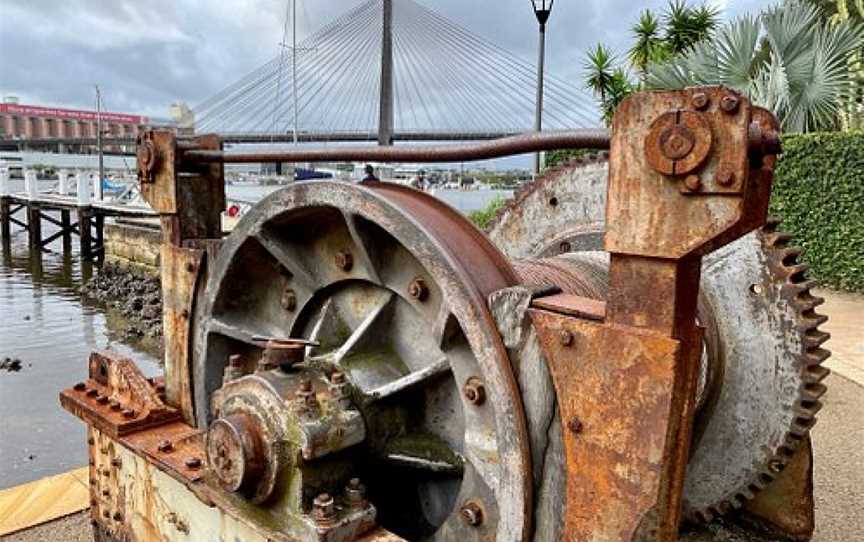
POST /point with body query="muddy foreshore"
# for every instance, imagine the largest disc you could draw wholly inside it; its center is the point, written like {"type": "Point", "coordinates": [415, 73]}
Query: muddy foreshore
{"type": "Point", "coordinates": [134, 295]}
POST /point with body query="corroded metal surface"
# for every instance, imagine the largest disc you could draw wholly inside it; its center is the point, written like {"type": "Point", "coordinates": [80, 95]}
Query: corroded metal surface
{"type": "Point", "coordinates": [640, 222]}
{"type": "Point", "coordinates": [767, 354]}
{"type": "Point", "coordinates": [116, 398]}
{"type": "Point", "coordinates": [406, 322]}
{"type": "Point", "coordinates": [615, 397]}
{"type": "Point", "coordinates": [181, 271]}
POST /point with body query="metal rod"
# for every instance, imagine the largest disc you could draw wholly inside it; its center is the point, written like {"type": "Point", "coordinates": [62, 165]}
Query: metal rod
{"type": "Point", "coordinates": [538, 118]}
{"type": "Point", "coordinates": [508, 146]}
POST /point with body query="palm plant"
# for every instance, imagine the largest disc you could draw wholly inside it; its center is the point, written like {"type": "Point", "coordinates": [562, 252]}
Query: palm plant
{"type": "Point", "coordinates": [787, 59]}
{"type": "Point", "coordinates": [649, 46]}
{"type": "Point", "coordinates": [599, 70]}
{"type": "Point", "coordinates": [686, 26]}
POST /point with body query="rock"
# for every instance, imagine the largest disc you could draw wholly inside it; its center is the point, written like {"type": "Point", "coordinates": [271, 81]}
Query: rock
{"type": "Point", "coordinates": [10, 365]}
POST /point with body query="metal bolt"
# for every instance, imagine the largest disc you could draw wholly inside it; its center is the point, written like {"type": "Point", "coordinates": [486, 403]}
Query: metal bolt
{"type": "Point", "coordinates": [193, 462]}
{"type": "Point", "coordinates": [106, 492]}
{"type": "Point", "coordinates": [116, 462]}
{"type": "Point", "coordinates": [106, 472]}
{"type": "Point", "coordinates": [418, 289]}
{"type": "Point", "coordinates": [344, 260]}
{"type": "Point", "coordinates": [729, 103]}
{"type": "Point", "coordinates": [190, 267]}
{"type": "Point", "coordinates": [471, 514]}
{"type": "Point", "coordinates": [775, 466]}
{"type": "Point", "coordinates": [80, 386]}
{"type": "Point", "coordinates": [565, 338]}
{"type": "Point", "coordinates": [692, 183]}
{"type": "Point", "coordinates": [102, 399]}
{"type": "Point", "coordinates": [575, 425]}
{"type": "Point", "coordinates": [185, 314]}
{"type": "Point", "coordinates": [676, 142]}
{"type": "Point", "coordinates": [306, 395]}
{"type": "Point", "coordinates": [106, 514]}
{"type": "Point", "coordinates": [91, 441]}
{"type": "Point", "coordinates": [92, 392]}
{"type": "Point", "coordinates": [128, 413]}
{"type": "Point", "coordinates": [355, 493]}
{"type": "Point", "coordinates": [324, 508]}
{"type": "Point", "coordinates": [166, 446]}
{"type": "Point", "coordinates": [725, 177]}
{"type": "Point", "coordinates": [474, 391]}
{"type": "Point", "coordinates": [114, 404]}
{"type": "Point", "coordinates": [289, 300]}
{"type": "Point", "coordinates": [699, 100]}
{"type": "Point", "coordinates": [118, 516]}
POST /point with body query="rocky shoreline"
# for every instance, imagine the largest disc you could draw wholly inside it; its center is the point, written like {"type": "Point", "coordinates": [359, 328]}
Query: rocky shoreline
{"type": "Point", "coordinates": [134, 295]}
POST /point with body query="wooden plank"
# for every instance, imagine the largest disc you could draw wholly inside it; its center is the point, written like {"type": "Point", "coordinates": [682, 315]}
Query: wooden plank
{"type": "Point", "coordinates": [44, 500]}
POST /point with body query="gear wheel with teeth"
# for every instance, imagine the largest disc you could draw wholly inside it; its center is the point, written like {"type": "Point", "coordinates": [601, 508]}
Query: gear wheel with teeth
{"type": "Point", "coordinates": [762, 360]}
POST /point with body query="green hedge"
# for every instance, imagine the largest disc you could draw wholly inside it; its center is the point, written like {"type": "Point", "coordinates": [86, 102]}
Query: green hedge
{"type": "Point", "coordinates": [819, 194]}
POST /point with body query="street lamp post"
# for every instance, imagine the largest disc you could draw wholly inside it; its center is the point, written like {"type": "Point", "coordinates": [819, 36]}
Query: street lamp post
{"type": "Point", "coordinates": [542, 9]}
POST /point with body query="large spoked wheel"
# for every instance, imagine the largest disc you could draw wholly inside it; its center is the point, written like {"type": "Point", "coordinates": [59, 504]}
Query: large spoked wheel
{"type": "Point", "coordinates": [393, 285]}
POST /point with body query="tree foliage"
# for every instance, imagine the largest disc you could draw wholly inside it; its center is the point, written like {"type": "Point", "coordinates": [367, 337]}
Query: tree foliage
{"type": "Point", "coordinates": [657, 38]}
{"type": "Point", "coordinates": [802, 74]}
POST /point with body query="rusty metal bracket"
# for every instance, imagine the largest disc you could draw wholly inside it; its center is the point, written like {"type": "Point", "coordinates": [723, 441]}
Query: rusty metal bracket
{"type": "Point", "coordinates": [625, 372]}
{"type": "Point", "coordinates": [117, 399]}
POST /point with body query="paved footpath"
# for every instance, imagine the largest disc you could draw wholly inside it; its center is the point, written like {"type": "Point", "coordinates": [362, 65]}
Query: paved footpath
{"type": "Point", "coordinates": [838, 442]}
{"type": "Point", "coordinates": [846, 325]}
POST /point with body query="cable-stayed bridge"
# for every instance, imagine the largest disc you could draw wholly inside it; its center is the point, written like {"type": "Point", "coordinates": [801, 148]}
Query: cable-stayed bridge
{"type": "Point", "coordinates": [391, 70]}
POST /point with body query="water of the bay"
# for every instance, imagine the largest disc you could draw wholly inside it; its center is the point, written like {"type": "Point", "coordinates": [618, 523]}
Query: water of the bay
{"type": "Point", "coordinates": [47, 324]}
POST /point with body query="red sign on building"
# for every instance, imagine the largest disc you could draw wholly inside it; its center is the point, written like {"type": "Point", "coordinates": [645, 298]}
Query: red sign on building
{"type": "Point", "coordinates": [70, 114]}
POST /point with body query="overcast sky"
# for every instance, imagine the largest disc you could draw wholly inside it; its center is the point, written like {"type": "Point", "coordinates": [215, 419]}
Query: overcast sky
{"type": "Point", "coordinates": [146, 55]}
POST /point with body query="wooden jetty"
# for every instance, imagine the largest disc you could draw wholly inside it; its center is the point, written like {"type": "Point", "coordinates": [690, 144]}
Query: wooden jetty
{"type": "Point", "coordinates": [30, 208]}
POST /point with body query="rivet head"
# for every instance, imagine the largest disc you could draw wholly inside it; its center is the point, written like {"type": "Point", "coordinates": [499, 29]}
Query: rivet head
{"type": "Point", "coordinates": [116, 462]}
{"type": "Point", "coordinates": [92, 392]}
{"type": "Point", "coordinates": [289, 300]}
{"type": "Point", "coordinates": [474, 391]}
{"type": "Point", "coordinates": [128, 413]}
{"type": "Point", "coordinates": [118, 516]}
{"type": "Point", "coordinates": [344, 260]}
{"type": "Point", "coordinates": [565, 338]}
{"type": "Point", "coordinates": [699, 100]}
{"type": "Point", "coordinates": [729, 103]}
{"type": "Point", "coordinates": [418, 289]}
{"type": "Point", "coordinates": [472, 514]}
{"type": "Point", "coordinates": [193, 463]}
{"type": "Point", "coordinates": [574, 425]}
{"type": "Point", "coordinates": [80, 386]}
{"type": "Point", "coordinates": [725, 177]}
{"type": "Point", "coordinates": [692, 183]}
{"type": "Point", "coordinates": [165, 446]}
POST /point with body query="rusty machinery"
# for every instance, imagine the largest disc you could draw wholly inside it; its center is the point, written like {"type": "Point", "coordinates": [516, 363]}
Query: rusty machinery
{"type": "Point", "coordinates": [359, 362]}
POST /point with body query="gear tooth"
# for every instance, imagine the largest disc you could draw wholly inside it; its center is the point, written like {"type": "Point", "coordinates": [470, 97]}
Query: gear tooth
{"type": "Point", "coordinates": [798, 272]}
{"type": "Point", "coordinates": [779, 239]}
{"type": "Point", "coordinates": [815, 356]}
{"type": "Point", "coordinates": [814, 338]}
{"type": "Point", "coordinates": [816, 373]}
{"type": "Point", "coordinates": [811, 319]}
{"type": "Point", "coordinates": [812, 391]}
{"type": "Point", "coordinates": [805, 301]}
{"type": "Point", "coordinates": [789, 255]}
{"type": "Point", "coordinates": [809, 408]}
